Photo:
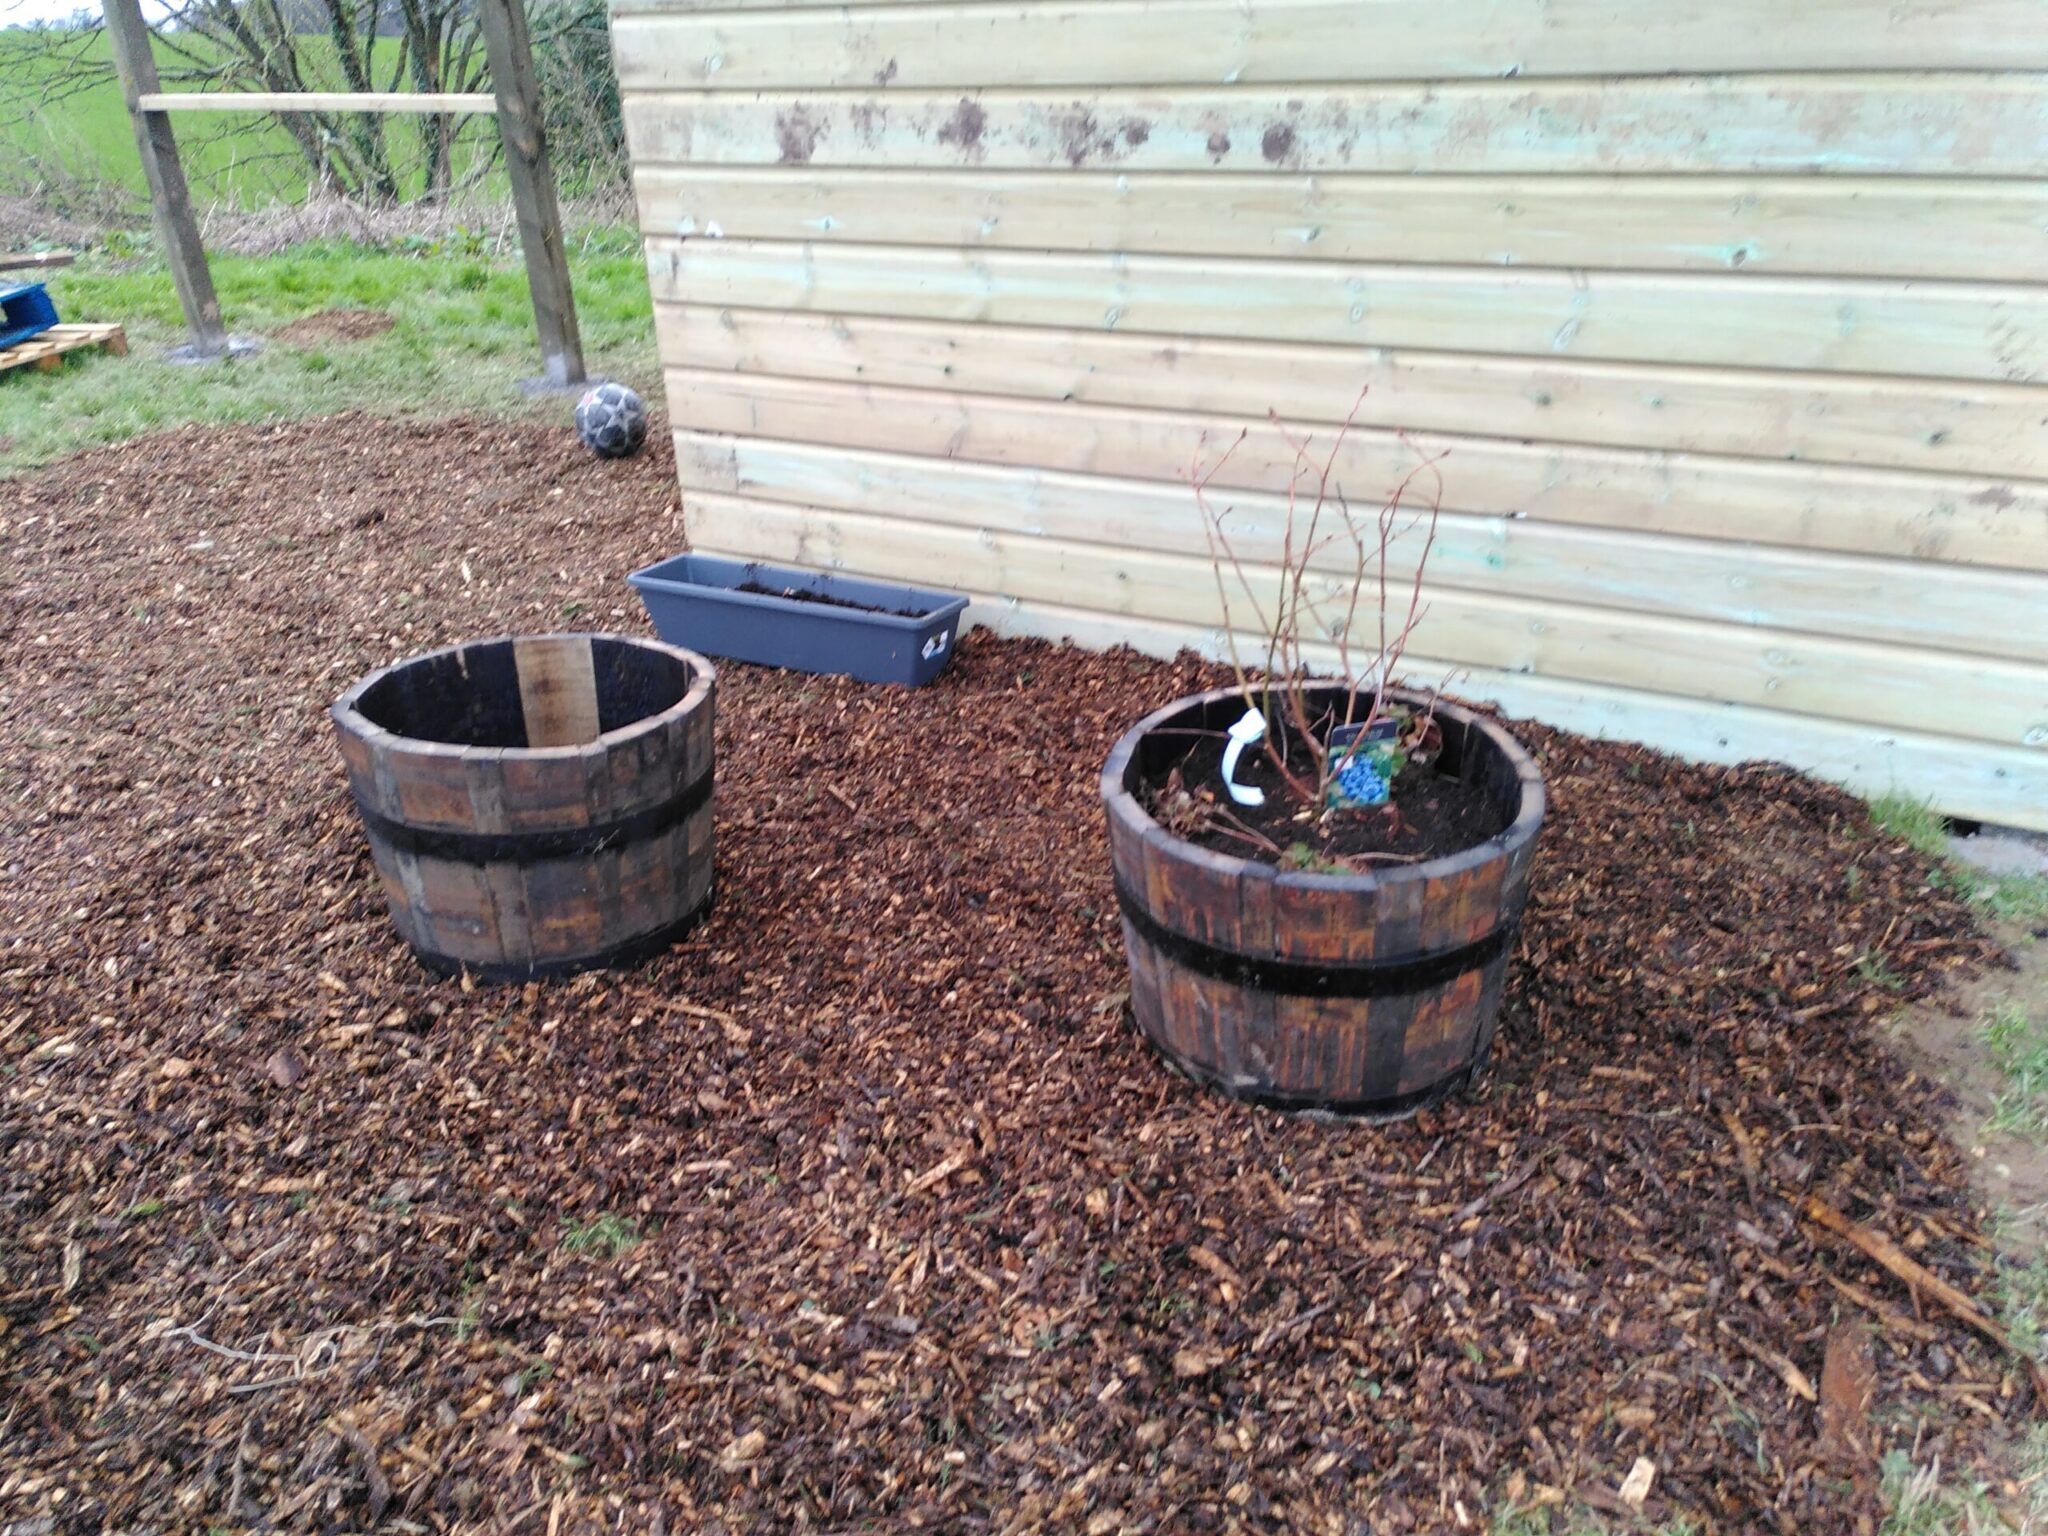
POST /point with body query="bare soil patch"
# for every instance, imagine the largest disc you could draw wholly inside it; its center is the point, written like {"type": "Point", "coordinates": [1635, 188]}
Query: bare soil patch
{"type": "Point", "coordinates": [867, 1208]}
{"type": "Point", "coordinates": [335, 325]}
{"type": "Point", "coordinates": [1944, 1035]}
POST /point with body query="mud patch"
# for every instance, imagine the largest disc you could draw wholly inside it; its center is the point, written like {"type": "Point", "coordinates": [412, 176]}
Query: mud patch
{"type": "Point", "coordinates": [1278, 143]}
{"type": "Point", "coordinates": [327, 326]}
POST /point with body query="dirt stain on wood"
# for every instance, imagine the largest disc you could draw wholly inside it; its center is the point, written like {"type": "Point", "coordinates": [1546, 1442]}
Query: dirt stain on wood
{"type": "Point", "coordinates": [963, 130]}
{"type": "Point", "coordinates": [797, 134]}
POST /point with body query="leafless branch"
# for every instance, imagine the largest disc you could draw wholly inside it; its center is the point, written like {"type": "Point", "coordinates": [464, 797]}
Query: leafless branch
{"type": "Point", "coordinates": [1314, 500]}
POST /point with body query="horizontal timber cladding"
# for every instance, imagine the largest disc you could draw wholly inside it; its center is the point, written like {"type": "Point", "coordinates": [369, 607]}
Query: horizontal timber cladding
{"type": "Point", "coordinates": [1884, 512]}
{"type": "Point", "coordinates": [1995, 331]}
{"type": "Point", "coordinates": [1729, 319]}
{"type": "Point", "coordinates": [1833, 226]}
{"type": "Point", "coordinates": [1992, 429]}
{"type": "Point", "coordinates": [1811, 674]}
{"type": "Point", "coordinates": [1891, 125]}
{"type": "Point", "coordinates": [1719, 580]}
{"type": "Point", "coordinates": [1184, 42]}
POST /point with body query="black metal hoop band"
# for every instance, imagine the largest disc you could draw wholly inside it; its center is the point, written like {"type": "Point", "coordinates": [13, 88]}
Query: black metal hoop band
{"type": "Point", "coordinates": [527, 847]}
{"type": "Point", "coordinates": [1294, 978]}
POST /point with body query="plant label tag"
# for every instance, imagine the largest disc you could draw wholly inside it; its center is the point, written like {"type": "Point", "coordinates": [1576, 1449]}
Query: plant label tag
{"type": "Point", "coordinates": [1250, 727]}
{"type": "Point", "coordinates": [1370, 756]}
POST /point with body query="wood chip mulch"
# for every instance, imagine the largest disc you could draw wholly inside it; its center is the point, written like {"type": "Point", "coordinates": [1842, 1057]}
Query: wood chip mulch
{"type": "Point", "coordinates": [867, 1209]}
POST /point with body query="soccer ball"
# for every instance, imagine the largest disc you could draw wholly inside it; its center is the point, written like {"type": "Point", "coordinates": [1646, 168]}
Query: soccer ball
{"type": "Point", "coordinates": [611, 421]}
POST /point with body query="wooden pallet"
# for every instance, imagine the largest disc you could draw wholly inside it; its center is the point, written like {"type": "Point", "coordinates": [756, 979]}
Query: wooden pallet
{"type": "Point", "coordinates": [47, 350]}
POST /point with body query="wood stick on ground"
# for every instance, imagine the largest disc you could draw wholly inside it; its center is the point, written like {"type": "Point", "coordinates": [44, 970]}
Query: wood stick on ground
{"type": "Point", "coordinates": [696, 1011]}
{"type": "Point", "coordinates": [1885, 1312]}
{"type": "Point", "coordinates": [1745, 1148]}
{"type": "Point", "coordinates": [1800, 1384]}
{"type": "Point", "coordinates": [1876, 1246]}
{"type": "Point", "coordinates": [1506, 1186]}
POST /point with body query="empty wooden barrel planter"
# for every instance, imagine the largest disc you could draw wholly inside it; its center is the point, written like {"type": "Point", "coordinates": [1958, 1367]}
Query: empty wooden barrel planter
{"type": "Point", "coordinates": [537, 805]}
{"type": "Point", "coordinates": [1366, 994]}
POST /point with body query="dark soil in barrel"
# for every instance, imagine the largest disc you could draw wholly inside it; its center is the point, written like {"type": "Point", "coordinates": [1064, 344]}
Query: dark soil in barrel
{"type": "Point", "coordinates": [1429, 814]}
{"type": "Point", "coordinates": [824, 600]}
{"type": "Point", "coordinates": [867, 1209]}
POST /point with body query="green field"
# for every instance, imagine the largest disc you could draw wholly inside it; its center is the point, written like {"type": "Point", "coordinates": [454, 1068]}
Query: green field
{"type": "Point", "coordinates": [462, 342]}
{"type": "Point", "coordinates": [64, 149]}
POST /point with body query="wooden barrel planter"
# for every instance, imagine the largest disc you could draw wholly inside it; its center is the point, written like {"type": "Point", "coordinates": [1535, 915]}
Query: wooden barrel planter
{"type": "Point", "coordinates": [1363, 994]}
{"type": "Point", "coordinates": [537, 805]}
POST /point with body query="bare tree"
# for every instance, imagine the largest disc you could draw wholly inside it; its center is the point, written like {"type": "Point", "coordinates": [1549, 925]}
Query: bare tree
{"type": "Point", "coordinates": [352, 45]}
{"type": "Point", "coordinates": [311, 45]}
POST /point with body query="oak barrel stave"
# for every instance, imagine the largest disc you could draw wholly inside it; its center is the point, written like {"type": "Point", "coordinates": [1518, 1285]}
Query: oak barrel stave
{"type": "Point", "coordinates": [537, 804]}
{"type": "Point", "coordinates": [1365, 994]}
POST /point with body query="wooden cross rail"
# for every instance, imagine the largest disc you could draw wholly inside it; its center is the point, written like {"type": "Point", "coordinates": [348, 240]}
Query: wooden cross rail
{"type": "Point", "coordinates": [37, 259]}
{"type": "Point", "coordinates": [514, 99]}
{"type": "Point", "coordinates": [317, 101]}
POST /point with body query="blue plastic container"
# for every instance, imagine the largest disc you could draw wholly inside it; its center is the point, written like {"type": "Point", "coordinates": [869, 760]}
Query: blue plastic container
{"type": "Point", "coordinates": [696, 602]}
{"type": "Point", "coordinates": [25, 311]}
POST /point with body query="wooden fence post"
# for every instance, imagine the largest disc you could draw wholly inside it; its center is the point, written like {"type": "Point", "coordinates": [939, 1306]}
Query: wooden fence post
{"type": "Point", "coordinates": [508, 46]}
{"type": "Point", "coordinates": [169, 197]}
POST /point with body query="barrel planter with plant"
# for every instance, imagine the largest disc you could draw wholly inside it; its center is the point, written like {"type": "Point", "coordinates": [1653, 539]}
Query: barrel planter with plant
{"type": "Point", "coordinates": [539, 804]}
{"type": "Point", "coordinates": [1320, 881]}
{"type": "Point", "coordinates": [1291, 976]}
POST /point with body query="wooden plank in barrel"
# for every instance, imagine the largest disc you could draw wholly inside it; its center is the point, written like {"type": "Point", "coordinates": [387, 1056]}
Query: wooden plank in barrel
{"type": "Point", "coordinates": [557, 689]}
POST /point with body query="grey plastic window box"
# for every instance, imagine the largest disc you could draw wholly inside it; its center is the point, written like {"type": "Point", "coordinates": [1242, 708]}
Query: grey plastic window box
{"type": "Point", "coordinates": [696, 602]}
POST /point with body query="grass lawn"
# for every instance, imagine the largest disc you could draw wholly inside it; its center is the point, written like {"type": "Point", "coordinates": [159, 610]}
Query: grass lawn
{"type": "Point", "coordinates": [462, 342]}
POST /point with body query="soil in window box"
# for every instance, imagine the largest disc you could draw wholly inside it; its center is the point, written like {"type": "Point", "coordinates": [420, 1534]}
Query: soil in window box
{"type": "Point", "coordinates": [803, 595]}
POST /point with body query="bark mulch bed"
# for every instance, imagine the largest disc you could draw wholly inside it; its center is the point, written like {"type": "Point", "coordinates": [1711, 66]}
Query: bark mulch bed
{"type": "Point", "coordinates": [291, 1233]}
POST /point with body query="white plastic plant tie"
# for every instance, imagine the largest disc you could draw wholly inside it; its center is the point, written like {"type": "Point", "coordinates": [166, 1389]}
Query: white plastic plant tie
{"type": "Point", "coordinates": [1250, 728]}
